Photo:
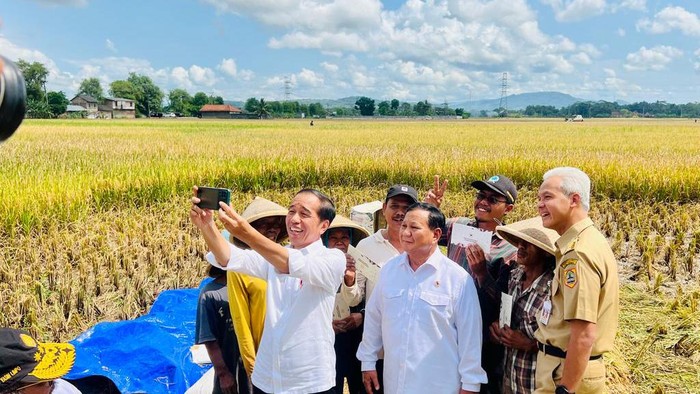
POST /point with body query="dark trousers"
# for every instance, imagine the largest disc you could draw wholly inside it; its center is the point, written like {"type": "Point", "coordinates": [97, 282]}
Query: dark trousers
{"type": "Point", "coordinates": [346, 363]}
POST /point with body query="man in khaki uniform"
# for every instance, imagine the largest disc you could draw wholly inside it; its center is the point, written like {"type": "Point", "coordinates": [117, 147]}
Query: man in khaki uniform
{"type": "Point", "coordinates": [580, 323]}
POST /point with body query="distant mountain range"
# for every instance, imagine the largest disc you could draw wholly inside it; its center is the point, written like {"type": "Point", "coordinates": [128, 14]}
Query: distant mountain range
{"type": "Point", "coordinates": [513, 101]}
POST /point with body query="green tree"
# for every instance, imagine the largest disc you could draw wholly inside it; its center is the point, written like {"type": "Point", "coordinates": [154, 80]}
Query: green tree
{"type": "Point", "coordinates": [316, 109]}
{"type": "Point", "coordinates": [180, 101]}
{"type": "Point", "coordinates": [199, 100]}
{"type": "Point", "coordinates": [395, 105]}
{"type": "Point", "coordinates": [423, 108]}
{"type": "Point", "coordinates": [383, 108]}
{"type": "Point", "coordinates": [149, 97]}
{"type": "Point", "coordinates": [365, 105]}
{"type": "Point", "coordinates": [459, 111]}
{"type": "Point", "coordinates": [122, 89]}
{"type": "Point", "coordinates": [250, 105]}
{"type": "Point", "coordinates": [34, 74]}
{"type": "Point", "coordinates": [262, 110]}
{"type": "Point", "coordinates": [58, 102]}
{"type": "Point", "coordinates": [405, 109]}
{"type": "Point", "coordinates": [92, 87]}
{"type": "Point", "coordinates": [216, 100]}
{"type": "Point", "coordinates": [38, 109]}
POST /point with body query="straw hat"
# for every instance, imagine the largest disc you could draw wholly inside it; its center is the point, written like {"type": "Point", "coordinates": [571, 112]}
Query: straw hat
{"type": "Point", "coordinates": [532, 231]}
{"type": "Point", "coordinates": [261, 208]}
{"type": "Point", "coordinates": [358, 232]}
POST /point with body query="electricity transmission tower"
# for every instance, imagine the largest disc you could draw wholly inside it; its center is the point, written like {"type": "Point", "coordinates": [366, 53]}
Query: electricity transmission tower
{"type": "Point", "coordinates": [287, 88]}
{"type": "Point", "coordinates": [503, 104]}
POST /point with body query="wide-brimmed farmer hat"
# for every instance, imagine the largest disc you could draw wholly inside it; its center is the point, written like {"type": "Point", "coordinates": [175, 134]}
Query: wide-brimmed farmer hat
{"type": "Point", "coordinates": [529, 230]}
{"type": "Point", "coordinates": [25, 361]}
{"type": "Point", "coordinates": [358, 232]}
{"type": "Point", "coordinates": [261, 208]}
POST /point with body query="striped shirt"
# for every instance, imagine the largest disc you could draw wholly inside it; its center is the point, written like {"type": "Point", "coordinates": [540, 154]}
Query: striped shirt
{"type": "Point", "coordinates": [519, 365]}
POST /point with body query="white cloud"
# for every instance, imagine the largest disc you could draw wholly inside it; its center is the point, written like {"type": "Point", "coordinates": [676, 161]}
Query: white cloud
{"type": "Point", "coordinates": [330, 67]}
{"type": "Point", "coordinates": [228, 66]}
{"type": "Point", "coordinates": [110, 45]}
{"type": "Point", "coordinates": [307, 77]}
{"type": "Point", "coordinates": [203, 76]}
{"type": "Point", "coordinates": [181, 77]}
{"type": "Point", "coordinates": [621, 32]}
{"type": "Point", "coordinates": [576, 10]}
{"type": "Point", "coordinates": [672, 18]}
{"type": "Point", "coordinates": [329, 16]}
{"type": "Point", "coordinates": [246, 75]}
{"type": "Point", "coordinates": [328, 41]}
{"type": "Point", "coordinates": [76, 3]}
{"type": "Point", "coordinates": [654, 59]}
{"type": "Point", "coordinates": [636, 5]}
{"type": "Point", "coordinates": [696, 64]}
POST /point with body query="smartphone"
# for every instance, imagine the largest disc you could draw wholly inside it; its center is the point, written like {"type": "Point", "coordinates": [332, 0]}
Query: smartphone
{"type": "Point", "coordinates": [210, 196]}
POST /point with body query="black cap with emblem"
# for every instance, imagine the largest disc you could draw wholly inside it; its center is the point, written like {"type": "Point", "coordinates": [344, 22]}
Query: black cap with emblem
{"type": "Point", "coordinates": [500, 184]}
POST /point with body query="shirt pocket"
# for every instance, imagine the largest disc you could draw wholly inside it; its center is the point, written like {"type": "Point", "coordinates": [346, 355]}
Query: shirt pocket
{"type": "Point", "coordinates": [393, 300]}
{"type": "Point", "coordinates": [433, 308]}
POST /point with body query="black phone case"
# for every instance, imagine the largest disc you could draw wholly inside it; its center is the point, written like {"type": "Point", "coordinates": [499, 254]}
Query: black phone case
{"type": "Point", "coordinates": [211, 196]}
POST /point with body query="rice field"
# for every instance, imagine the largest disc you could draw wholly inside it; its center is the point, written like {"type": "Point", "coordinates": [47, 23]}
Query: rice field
{"type": "Point", "coordinates": [93, 214]}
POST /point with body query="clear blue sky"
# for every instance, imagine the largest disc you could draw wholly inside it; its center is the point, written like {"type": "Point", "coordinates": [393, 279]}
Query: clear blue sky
{"type": "Point", "coordinates": [439, 50]}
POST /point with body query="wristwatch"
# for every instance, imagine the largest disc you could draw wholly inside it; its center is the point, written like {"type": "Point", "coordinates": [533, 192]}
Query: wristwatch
{"type": "Point", "coordinates": [562, 390]}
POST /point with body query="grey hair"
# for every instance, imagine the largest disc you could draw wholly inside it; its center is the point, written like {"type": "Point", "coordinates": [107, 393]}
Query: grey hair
{"type": "Point", "coordinates": [573, 181]}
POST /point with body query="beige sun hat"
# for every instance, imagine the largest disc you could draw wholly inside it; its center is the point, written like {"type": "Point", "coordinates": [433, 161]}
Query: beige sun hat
{"type": "Point", "coordinates": [532, 231]}
{"type": "Point", "coordinates": [261, 208]}
{"type": "Point", "coordinates": [358, 232]}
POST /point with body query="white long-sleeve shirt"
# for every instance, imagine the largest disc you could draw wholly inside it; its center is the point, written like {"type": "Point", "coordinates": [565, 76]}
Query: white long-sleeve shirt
{"type": "Point", "coordinates": [429, 323]}
{"type": "Point", "coordinates": [296, 352]}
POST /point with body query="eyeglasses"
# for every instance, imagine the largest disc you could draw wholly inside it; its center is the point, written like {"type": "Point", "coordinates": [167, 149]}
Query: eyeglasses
{"type": "Point", "coordinates": [491, 199]}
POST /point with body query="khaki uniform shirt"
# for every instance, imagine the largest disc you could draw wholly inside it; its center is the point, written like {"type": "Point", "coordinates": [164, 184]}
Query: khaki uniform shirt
{"type": "Point", "coordinates": [585, 287]}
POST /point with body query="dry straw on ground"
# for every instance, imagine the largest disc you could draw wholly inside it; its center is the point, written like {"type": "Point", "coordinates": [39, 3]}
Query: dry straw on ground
{"type": "Point", "coordinates": [94, 213]}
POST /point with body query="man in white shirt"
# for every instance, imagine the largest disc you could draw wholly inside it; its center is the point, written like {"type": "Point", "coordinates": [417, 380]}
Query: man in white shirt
{"type": "Point", "coordinates": [296, 352]}
{"type": "Point", "coordinates": [425, 314]}
{"type": "Point", "coordinates": [380, 248]}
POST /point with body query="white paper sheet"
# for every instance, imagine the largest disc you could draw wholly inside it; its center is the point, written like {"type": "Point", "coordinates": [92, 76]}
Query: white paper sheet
{"type": "Point", "coordinates": [506, 310]}
{"type": "Point", "coordinates": [363, 264]}
{"type": "Point", "coordinates": [466, 235]}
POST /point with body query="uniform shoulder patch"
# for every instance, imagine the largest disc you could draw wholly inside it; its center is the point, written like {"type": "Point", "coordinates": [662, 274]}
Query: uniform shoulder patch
{"type": "Point", "coordinates": [569, 268]}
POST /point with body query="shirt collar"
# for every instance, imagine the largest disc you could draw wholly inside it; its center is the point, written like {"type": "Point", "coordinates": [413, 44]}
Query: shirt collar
{"type": "Point", "coordinates": [433, 260]}
{"type": "Point", "coordinates": [311, 248]}
{"type": "Point", "coordinates": [570, 235]}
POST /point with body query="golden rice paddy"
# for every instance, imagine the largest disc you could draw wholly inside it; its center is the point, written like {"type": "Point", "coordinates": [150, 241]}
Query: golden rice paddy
{"type": "Point", "coordinates": [93, 214]}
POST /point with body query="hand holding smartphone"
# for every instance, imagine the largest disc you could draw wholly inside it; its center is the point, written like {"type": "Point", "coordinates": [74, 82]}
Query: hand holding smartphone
{"type": "Point", "coordinates": [209, 197]}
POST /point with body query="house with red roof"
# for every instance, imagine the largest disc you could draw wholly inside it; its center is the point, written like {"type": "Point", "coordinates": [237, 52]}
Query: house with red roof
{"type": "Point", "coordinates": [220, 111]}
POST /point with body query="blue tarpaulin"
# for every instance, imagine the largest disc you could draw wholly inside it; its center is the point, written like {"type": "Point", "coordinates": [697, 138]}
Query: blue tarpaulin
{"type": "Point", "coordinates": [150, 354]}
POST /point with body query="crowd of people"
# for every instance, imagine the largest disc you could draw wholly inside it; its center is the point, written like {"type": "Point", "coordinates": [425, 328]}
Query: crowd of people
{"type": "Point", "coordinates": [303, 300]}
{"type": "Point", "coordinates": [533, 311]}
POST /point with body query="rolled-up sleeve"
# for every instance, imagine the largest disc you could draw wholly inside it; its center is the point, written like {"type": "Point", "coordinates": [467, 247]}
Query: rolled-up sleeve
{"type": "Point", "coordinates": [469, 330]}
{"type": "Point", "coordinates": [324, 270]}
{"type": "Point", "coordinates": [372, 343]}
{"type": "Point", "coordinates": [246, 262]}
{"type": "Point", "coordinates": [354, 294]}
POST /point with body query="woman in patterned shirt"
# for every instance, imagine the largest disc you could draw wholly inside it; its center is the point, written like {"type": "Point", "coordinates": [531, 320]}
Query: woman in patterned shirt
{"type": "Point", "coordinates": [529, 285]}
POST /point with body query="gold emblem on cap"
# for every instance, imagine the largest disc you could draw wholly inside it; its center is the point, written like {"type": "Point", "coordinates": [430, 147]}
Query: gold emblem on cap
{"type": "Point", "coordinates": [27, 340]}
